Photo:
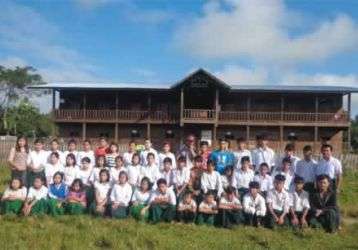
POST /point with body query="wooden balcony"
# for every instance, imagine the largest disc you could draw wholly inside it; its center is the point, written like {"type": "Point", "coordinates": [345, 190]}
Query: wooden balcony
{"type": "Point", "coordinates": [199, 115]}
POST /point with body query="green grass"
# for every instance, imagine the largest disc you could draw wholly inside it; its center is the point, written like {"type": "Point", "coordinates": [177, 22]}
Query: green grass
{"type": "Point", "coordinates": [85, 232]}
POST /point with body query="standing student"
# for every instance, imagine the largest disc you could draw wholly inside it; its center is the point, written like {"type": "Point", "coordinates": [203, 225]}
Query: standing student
{"type": "Point", "coordinates": [114, 172]}
{"type": "Point", "coordinates": [36, 200]}
{"type": "Point", "coordinates": [230, 209]}
{"type": "Point", "coordinates": [207, 210]}
{"type": "Point", "coordinates": [55, 148]}
{"type": "Point", "coordinates": [17, 159]}
{"type": "Point", "coordinates": [181, 177]}
{"type": "Point", "coordinates": [127, 156]}
{"type": "Point", "coordinates": [228, 179]}
{"type": "Point", "coordinates": [120, 197]}
{"type": "Point", "coordinates": [148, 148]}
{"type": "Point", "coordinates": [52, 167]}
{"type": "Point", "coordinates": [100, 164]}
{"type": "Point", "coordinates": [289, 153]}
{"type": "Point", "coordinates": [70, 171]}
{"type": "Point", "coordinates": [162, 203]}
{"type": "Point", "coordinates": [264, 179]}
{"type": "Point", "coordinates": [13, 198]}
{"type": "Point", "coordinates": [71, 148]}
{"type": "Point", "coordinates": [165, 154]}
{"type": "Point", "coordinates": [204, 153]}
{"type": "Point", "coordinates": [324, 210]}
{"type": "Point", "coordinates": [140, 200]}
{"type": "Point", "coordinates": [285, 171]}
{"type": "Point", "coordinates": [278, 203]}
{"type": "Point", "coordinates": [222, 157]}
{"type": "Point", "coordinates": [300, 204]}
{"type": "Point", "coordinates": [188, 150]}
{"type": "Point", "coordinates": [211, 180]}
{"type": "Point", "coordinates": [168, 172]}
{"type": "Point", "coordinates": [254, 205]}
{"type": "Point", "coordinates": [330, 166]}
{"type": "Point", "coordinates": [76, 202]}
{"type": "Point", "coordinates": [111, 155]}
{"type": "Point", "coordinates": [241, 152]}
{"type": "Point", "coordinates": [102, 188]}
{"type": "Point", "coordinates": [306, 168]}
{"type": "Point", "coordinates": [262, 153]}
{"type": "Point", "coordinates": [57, 194]}
{"type": "Point", "coordinates": [102, 148]}
{"type": "Point", "coordinates": [151, 170]}
{"type": "Point", "coordinates": [86, 152]}
{"type": "Point", "coordinates": [134, 171]}
{"type": "Point", "coordinates": [244, 176]}
{"type": "Point", "coordinates": [36, 162]}
{"type": "Point", "coordinates": [186, 210]}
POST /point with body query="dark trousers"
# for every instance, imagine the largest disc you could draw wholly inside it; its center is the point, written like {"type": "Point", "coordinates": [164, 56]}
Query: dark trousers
{"type": "Point", "coordinates": [270, 220]}
{"type": "Point", "coordinates": [327, 219]}
{"type": "Point", "coordinates": [159, 213]}
{"type": "Point", "coordinates": [253, 219]}
{"type": "Point", "coordinates": [229, 218]}
{"type": "Point", "coordinates": [186, 216]}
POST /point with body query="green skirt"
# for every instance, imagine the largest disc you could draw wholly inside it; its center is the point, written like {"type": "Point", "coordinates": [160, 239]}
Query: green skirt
{"type": "Point", "coordinates": [120, 212]}
{"type": "Point", "coordinates": [40, 207]}
{"type": "Point", "coordinates": [135, 212]}
{"type": "Point", "coordinates": [11, 207]}
{"type": "Point", "coordinates": [55, 207]}
{"type": "Point", "coordinates": [73, 208]}
{"type": "Point", "coordinates": [205, 219]}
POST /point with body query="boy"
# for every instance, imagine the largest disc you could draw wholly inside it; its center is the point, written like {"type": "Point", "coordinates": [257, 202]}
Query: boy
{"type": "Point", "coordinates": [241, 152]}
{"type": "Point", "coordinates": [86, 152]}
{"type": "Point", "coordinates": [37, 161]}
{"type": "Point", "coordinates": [102, 148]}
{"type": "Point", "coordinates": [134, 171]}
{"type": "Point", "coordinates": [71, 148]}
{"type": "Point", "coordinates": [151, 170]}
{"type": "Point", "coordinates": [290, 154]}
{"type": "Point", "coordinates": [199, 163]}
{"type": "Point", "coordinates": [230, 209]}
{"type": "Point", "coordinates": [254, 205]}
{"type": "Point", "coordinates": [211, 180]}
{"type": "Point", "coordinates": [165, 154]}
{"type": "Point", "coordinates": [285, 171]}
{"type": "Point", "coordinates": [204, 153]}
{"type": "Point", "coordinates": [244, 176]}
{"type": "Point", "coordinates": [127, 156]}
{"type": "Point", "coordinates": [222, 156]}
{"type": "Point", "coordinates": [181, 177]}
{"type": "Point", "coordinates": [162, 203]}
{"type": "Point", "coordinates": [262, 153]}
{"type": "Point", "coordinates": [187, 208]}
{"type": "Point", "coordinates": [207, 210]}
{"type": "Point", "coordinates": [264, 179]}
{"type": "Point", "coordinates": [306, 168]}
{"type": "Point", "coordinates": [168, 172]}
{"type": "Point", "coordinates": [54, 147]}
{"type": "Point", "coordinates": [299, 204]}
{"type": "Point", "coordinates": [148, 149]}
{"type": "Point", "coordinates": [278, 203]}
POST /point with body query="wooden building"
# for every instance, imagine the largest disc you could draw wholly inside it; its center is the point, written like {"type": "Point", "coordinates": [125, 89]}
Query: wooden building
{"type": "Point", "coordinates": [206, 106]}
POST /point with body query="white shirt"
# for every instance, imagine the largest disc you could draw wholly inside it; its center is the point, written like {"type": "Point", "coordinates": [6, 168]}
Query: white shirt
{"type": "Point", "coordinates": [38, 160]}
{"type": "Point", "coordinates": [127, 158]}
{"type": "Point", "coordinates": [169, 194]}
{"type": "Point", "coordinates": [18, 194]}
{"type": "Point", "coordinates": [121, 194]}
{"type": "Point", "coordinates": [50, 171]}
{"type": "Point", "coordinates": [181, 176]}
{"type": "Point", "coordinates": [226, 183]}
{"type": "Point", "coordinates": [185, 206]}
{"type": "Point", "coordinates": [289, 177]}
{"type": "Point", "coordinates": [95, 174]}
{"type": "Point", "coordinates": [168, 176]}
{"type": "Point", "coordinates": [306, 170]}
{"type": "Point", "coordinates": [332, 167]}
{"type": "Point", "coordinates": [211, 181]}
{"type": "Point", "coordinates": [204, 205]}
{"type": "Point", "coordinates": [243, 178]}
{"type": "Point", "coordinates": [170, 155]}
{"type": "Point", "coordinates": [255, 205]}
{"type": "Point", "coordinates": [83, 154]}
{"type": "Point", "coordinates": [265, 182]}
{"type": "Point", "coordinates": [279, 200]}
{"type": "Point", "coordinates": [69, 174]}
{"type": "Point", "coordinates": [102, 189]}
{"type": "Point", "coordinates": [225, 201]}
{"type": "Point", "coordinates": [260, 155]}
{"type": "Point", "coordinates": [238, 156]}
{"type": "Point", "coordinates": [294, 161]}
{"type": "Point", "coordinates": [114, 174]}
{"type": "Point", "coordinates": [62, 157]}
{"type": "Point", "coordinates": [144, 153]}
{"type": "Point", "coordinates": [39, 194]}
{"type": "Point", "coordinates": [85, 175]}
{"type": "Point", "coordinates": [152, 172]}
{"type": "Point", "coordinates": [133, 174]}
{"type": "Point", "coordinates": [140, 197]}
{"type": "Point", "coordinates": [75, 153]}
{"type": "Point", "coordinates": [299, 202]}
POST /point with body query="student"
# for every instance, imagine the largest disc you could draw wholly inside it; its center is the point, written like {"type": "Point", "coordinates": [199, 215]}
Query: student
{"type": "Point", "coordinates": [71, 148]}
{"type": "Point", "coordinates": [207, 210]}
{"type": "Point", "coordinates": [194, 185]}
{"type": "Point", "coordinates": [188, 150]}
{"type": "Point", "coordinates": [85, 172]}
{"type": "Point", "coordinates": [120, 197]}
{"type": "Point", "coordinates": [36, 162]}
{"type": "Point", "coordinates": [211, 180]}
{"type": "Point", "coordinates": [111, 155]}
{"type": "Point", "coordinates": [134, 170]}
{"type": "Point", "coordinates": [36, 200]}
{"type": "Point", "coordinates": [52, 167]}
{"type": "Point", "coordinates": [278, 203]}
{"type": "Point", "coordinates": [57, 194]}
{"type": "Point", "coordinates": [102, 188]}
{"type": "Point", "coordinates": [148, 149]}
{"type": "Point", "coordinates": [13, 197]}
{"type": "Point", "coordinates": [324, 209]}
{"type": "Point", "coordinates": [162, 203]}
{"type": "Point", "coordinates": [199, 163]}
{"type": "Point", "coordinates": [204, 153]}
{"type": "Point", "coordinates": [181, 177]}
{"type": "Point", "coordinates": [17, 159]}
{"type": "Point", "coordinates": [330, 166]}
{"type": "Point", "coordinates": [186, 211]}
{"type": "Point", "coordinates": [244, 176]}
{"type": "Point", "coordinates": [230, 209]}
{"type": "Point", "coordinates": [228, 179]}
{"type": "Point", "coordinates": [70, 171]}
{"type": "Point", "coordinates": [299, 204]}
{"type": "Point", "coordinates": [86, 152]}
{"type": "Point", "coordinates": [254, 205]}
{"type": "Point", "coordinates": [167, 172]}
{"type": "Point", "coordinates": [241, 152]}
{"type": "Point", "coordinates": [127, 156]}
{"type": "Point", "coordinates": [55, 148]}
{"type": "Point", "coordinates": [289, 153]}
{"type": "Point", "coordinates": [114, 172]}
{"type": "Point", "coordinates": [222, 157]}
{"type": "Point", "coordinates": [140, 200]}
{"type": "Point", "coordinates": [306, 168]}
{"type": "Point", "coordinates": [165, 154]}
{"type": "Point", "coordinates": [285, 171]}
{"type": "Point", "coordinates": [262, 153]}
{"type": "Point", "coordinates": [151, 170]}
{"type": "Point", "coordinates": [102, 148]}
{"type": "Point", "coordinates": [76, 201]}
{"type": "Point", "coordinates": [264, 179]}
{"type": "Point", "coordinates": [100, 164]}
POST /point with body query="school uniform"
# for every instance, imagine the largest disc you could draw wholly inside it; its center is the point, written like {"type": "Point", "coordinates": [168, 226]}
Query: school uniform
{"type": "Point", "coordinates": [121, 194]}
{"type": "Point", "coordinates": [329, 217]}
{"type": "Point", "coordinates": [151, 172]}
{"type": "Point", "coordinates": [85, 176]}
{"type": "Point", "coordinates": [228, 183]}
{"type": "Point", "coordinates": [261, 155]}
{"type": "Point", "coordinates": [69, 174]}
{"type": "Point", "coordinates": [162, 212]}
{"type": "Point", "coordinates": [254, 209]}
{"type": "Point", "coordinates": [331, 167]}
{"type": "Point", "coordinates": [127, 158]}
{"type": "Point", "coordinates": [230, 217]}
{"type": "Point", "coordinates": [114, 174]}
{"type": "Point", "coordinates": [307, 170]}
{"type": "Point", "coordinates": [299, 203]}
{"type": "Point", "coordinates": [65, 153]}
{"type": "Point", "coordinates": [181, 178]}
{"type": "Point", "coordinates": [205, 218]}
{"type": "Point", "coordinates": [187, 212]}
{"type": "Point", "coordinates": [134, 174]}
{"type": "Point", "coordinates": [243, 179]}
{"type": "Point", "coordinates": [144, 154]}
{"type": "Point", "coordinates": [294, 160]}
{"type": "Point", "coordinates": [170, 155]}
{"type": "Point", "coordinates": [38, 160]}
{"type": "Point", "coordinates": [280, 202]}
{"type": "Point", "coordinates": [40, 198]}
{"type": "Point", "coordinates": [238, 156]}
{"type": "Point", "coordinates": [289, 177]}
{"type": "Point", "coordinates": [76, 208]}
{"type": "Point", "coordinates": [57, 194]}
{"type": "Point", "coordinates": [50, 171]}
{"type": "Point", "coordinates": [222, 158]}
{"type": "Point", "coordinates": [168, 176]}
{"type": "Point", "coordinates": [266, 183]}
{"type": "Point", "coordinates": [14, 205]}
{"type": "Point", "coordinates": [211, 181]}
{"type": "Point", "coordinates": [95, 174]}
{"type": "Point", "coordinates": [61, 155]}
{"type": "Point", "coordinates": [140, 200]}
{"type": "Point", "coordinates": [83, 154]}
{"type": "Point", "coordinates": [102, 191]}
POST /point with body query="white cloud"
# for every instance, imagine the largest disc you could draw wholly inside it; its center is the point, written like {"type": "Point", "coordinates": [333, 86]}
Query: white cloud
{"type": "Point", "coordinates": [262, 31]}
{"type": "Point", "coordinates": [234, 74]}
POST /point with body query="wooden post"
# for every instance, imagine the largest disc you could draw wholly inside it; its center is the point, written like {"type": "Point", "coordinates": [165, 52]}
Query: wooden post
{"type": "Point", "coordinates": [84, 105]}
{"type": "Point", "coordinates": [349, 136]}
{"type": "Point", "coordinates": [248, 107]}
{"type": "Point", "coordinates": [117, 103]}
{"type": "Point", "coordinates": [316, 108]}
{"type": "Point", "coordinates": [282, 107]}
{"type": "Point", "coordinates": [116, 132]}
{"type": "Point", "coordinates": [315, 139]}
{"type": "Point", "coordinates": [214, 137]}
{"type": "Point", "coordinates": [217, 107]}
{"type": "Point", "coordinates": [248, 133]}
{"type": "Point", "coordinates": [281, 138]}
{"type": "Point", "coordinates": [181, 107]}
{"type": "Point", "coordinates": [84, 131]}
{"type": "Point", "coordinates": [53, 99]}
{"type": "Point", "coordinates": [148, 130]}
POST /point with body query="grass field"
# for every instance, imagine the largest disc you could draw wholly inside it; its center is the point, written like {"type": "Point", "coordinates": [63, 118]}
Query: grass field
{"type": "Point", "coordinates": [96, 233]}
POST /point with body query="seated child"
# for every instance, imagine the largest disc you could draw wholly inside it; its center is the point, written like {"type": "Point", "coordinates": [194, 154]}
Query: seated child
{"type": "Point", "coordinates": [324, 209]}
{"type": "Point", "coordinates": [119, 167]}
{"type": "Point", "coordinates": [76, 202]}
{"type": "Point", "coordinates": [278, 203]}
{"type": "Point", "coordinates": [52, 167]}
{"type": "Point", "coordinates": [181, 177]}
{"type": "Point", "coordinates": [230, 209]}
{"type": "Point", "coordinates": [211, 180]}
{"type": "Point", "coordinates": [299, 204]}
{"type": "Point", "coordinates": [140, 200]}
{"type": "Point", "coordinates": [70, 170]}
{"type": "Point", "coordinates": [57, 193]}
{"type": "Point", "coordinates": [254, 205]}
{"type": "Point", "coordinates": [85, 174]}
{"type": "Point", "coordinates": [264, 179]}
{"type": "Point", "coordinates": [102, 188]}
{"type": "Point", "coordinates": [244, 176]}
{"type": "Point", "coordinates": [162, 203]}
{"type": "Point", "coordinates": [207, 209]}
{"type": "Point", "coordinates": [13, 198]}
{"type": "Point", "coordinates": [186, 211]}
{"type": "Point", "coordinates": [36, 201]}
{"type": "Point", "coordinates": [120, 197]}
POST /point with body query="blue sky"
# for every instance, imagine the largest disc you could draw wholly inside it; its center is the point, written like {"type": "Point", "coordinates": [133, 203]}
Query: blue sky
{"type": "Point", "coordinates": [241, 41]}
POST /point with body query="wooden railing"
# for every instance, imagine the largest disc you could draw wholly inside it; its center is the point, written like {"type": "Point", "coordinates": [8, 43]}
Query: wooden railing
{"type": "Point", "coordinates": [199, 114]}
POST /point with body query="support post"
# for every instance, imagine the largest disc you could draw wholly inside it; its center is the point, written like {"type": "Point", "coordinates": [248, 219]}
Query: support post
{"type": "Point", "coordinates": [316, 108]}
{"type": "Point", "coordinates": [181, 107]}
{"type": "Point", "coordinates": [281, 138]}
{"type": "Point", "coordinates": [349, 135]}
{"type": "Point", "coordinates": [248, 134]}
{"type": "Point", "coordinates": [53, 99]}
{"type": "Point", "coordinates": [116, 132]}
{"type": "Point", "coordinates": [315, 139]}
{"type": "Point", "coordinates": [148, 130]}
{"type": "Point", "coordinates": [248, 107]}
{"type": "Point", "coordinates": [84, 131]}
{"type": "Point", "coordinates": [282, 107]}
{"type": "Point", "coordinates": [84, 105]}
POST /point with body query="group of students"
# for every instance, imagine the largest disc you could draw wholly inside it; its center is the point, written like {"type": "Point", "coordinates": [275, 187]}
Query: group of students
{"type": "Point", "coordinates": [223, 187]}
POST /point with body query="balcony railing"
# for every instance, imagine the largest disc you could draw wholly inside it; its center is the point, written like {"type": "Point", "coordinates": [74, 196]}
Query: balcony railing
{"type": "Point", "coordinates": [199, 114]}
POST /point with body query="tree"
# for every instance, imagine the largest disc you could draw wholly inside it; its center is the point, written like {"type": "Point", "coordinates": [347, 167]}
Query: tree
{"type": "Point", "coordinates": [13, 86]}
{"type": "Point", "coordinates": [354, 134]}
